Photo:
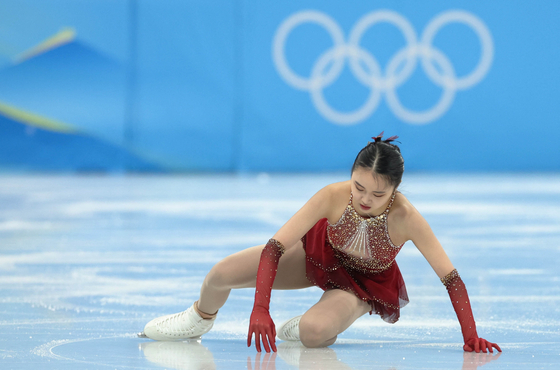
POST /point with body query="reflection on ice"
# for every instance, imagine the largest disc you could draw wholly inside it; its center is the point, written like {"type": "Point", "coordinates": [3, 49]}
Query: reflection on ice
{"type": "Point", "coordinates": [296, 354]}
{"type": "Point", "coordinates": [189, 355]}
{"type": "Point", "coordinates": [193, 355]}
{"type": "Point", "coordinates": [268, 361]}
{"type": "Point", "coordinates": [472, 360]}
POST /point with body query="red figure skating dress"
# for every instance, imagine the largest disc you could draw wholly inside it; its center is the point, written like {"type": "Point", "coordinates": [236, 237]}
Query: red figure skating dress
{"type": "Point", "coordinates": [356, 254]}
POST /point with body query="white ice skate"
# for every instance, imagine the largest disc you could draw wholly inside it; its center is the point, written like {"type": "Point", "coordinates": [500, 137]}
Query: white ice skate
{"type": "Point", "coordinates": [290, 329]}
{"type": "Point", "coordinates": [180, 326]}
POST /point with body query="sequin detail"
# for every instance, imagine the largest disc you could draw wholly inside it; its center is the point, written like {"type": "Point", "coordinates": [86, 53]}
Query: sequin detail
{"type": "Point", "coordinates": [324, 268]}
{"type": "Point", "coordinates": [449, 278]}
{"type": "Point", "coordinates": [461, 304]}
{"type": "Point", "coordinates": [266, 272]}
{"type": "Point", "coordinates": [350, 290]}
{"type": "Point", "coordinates": [363, 244]}
{"type": "Point", "coordinates": [279, 247]}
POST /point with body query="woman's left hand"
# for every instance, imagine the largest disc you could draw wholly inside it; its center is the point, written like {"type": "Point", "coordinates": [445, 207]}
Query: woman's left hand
{"type": "Point", "coordinates": [480, 345]}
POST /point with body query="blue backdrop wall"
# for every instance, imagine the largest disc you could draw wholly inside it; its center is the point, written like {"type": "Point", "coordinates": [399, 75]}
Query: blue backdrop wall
{"type": "Point", "coordinates": [176, 85]}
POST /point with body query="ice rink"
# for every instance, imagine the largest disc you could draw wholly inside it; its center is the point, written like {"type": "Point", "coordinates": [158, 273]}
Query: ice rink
{"type": "Point", "coordinates": [86, 261]}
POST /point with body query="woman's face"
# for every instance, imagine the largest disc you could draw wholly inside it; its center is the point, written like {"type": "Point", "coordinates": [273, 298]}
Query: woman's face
{"type": "Point", "coordinates": [371, 193]}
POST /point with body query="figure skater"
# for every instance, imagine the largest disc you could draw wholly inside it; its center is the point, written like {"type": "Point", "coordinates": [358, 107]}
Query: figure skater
{"type": "Point", "coordinates": [343, 240]}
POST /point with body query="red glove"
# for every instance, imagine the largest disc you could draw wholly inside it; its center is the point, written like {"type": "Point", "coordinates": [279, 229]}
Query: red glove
{"type": "Point", "coordinates": [261, 323]}
{"type": "Point", "coordinates": [460, 300]}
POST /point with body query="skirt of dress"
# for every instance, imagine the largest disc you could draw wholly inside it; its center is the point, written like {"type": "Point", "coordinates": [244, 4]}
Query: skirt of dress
{"type": "Point", "coordinates": [329, 268]}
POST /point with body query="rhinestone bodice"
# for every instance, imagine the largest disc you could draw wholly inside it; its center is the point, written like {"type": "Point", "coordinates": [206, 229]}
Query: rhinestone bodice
{"type": "Point", "coordinates": [363, 243]}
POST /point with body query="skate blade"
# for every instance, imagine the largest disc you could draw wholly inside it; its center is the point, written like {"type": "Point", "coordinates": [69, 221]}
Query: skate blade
{"type": "Point", "coordinates": [142, 335]}
{"type": "Point", "coordinates": [193, 339]}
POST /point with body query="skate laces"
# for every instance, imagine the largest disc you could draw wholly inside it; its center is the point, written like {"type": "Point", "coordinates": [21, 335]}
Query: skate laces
{"type": "Point", "coordinates": [291, 329]}
{"type": "Point", "coordinates": [178, 323]}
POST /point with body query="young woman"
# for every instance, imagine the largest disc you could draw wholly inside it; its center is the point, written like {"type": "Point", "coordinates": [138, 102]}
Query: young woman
{"type": "Point", "coordinates": [343, 240]}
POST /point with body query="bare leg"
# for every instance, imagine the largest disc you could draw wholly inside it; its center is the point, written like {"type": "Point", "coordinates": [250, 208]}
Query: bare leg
{"type": "Point", "coordinates": [236, 271]}
{"type": "Point", "coordinates": [240, 270]}
{"type": "Point", "coordinates": [334, 313]}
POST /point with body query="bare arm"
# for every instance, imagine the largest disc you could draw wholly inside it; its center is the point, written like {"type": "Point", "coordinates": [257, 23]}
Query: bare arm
{"type": "Point", "coordinates": [421, 234]}
{"type": "Point", "coordinates": [318, 207]}
{"type": "Point", "coordinates": [426, 242]}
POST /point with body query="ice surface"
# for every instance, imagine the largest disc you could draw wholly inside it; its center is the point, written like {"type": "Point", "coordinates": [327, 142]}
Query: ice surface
{"type": "Point", "coordinates": [86, 261]}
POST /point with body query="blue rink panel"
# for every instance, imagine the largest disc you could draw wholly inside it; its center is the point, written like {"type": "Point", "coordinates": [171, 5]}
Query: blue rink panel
{"type": "Point", "coordinates": [227, 85]}
{"type": "Point", "coordinates": [86, 261]}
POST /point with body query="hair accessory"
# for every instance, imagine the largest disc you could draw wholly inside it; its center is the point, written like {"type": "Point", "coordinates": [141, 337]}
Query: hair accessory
{"type": "Point", "coordinates": [379, 138]}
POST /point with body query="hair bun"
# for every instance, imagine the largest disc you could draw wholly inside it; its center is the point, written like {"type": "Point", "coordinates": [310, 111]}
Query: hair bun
{"type": "Point", "coordinates": [379, 138]}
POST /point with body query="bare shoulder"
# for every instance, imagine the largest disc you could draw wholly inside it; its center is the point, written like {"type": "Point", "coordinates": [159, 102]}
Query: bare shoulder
{"type": "Point", "coordinates": [402, 209]}
{"type": "Point", "coordinates": [336, 195]}
{"type": "Point", "coordinates": [336, 190]}
{"type": "Point", "coordinates": [405, 216]}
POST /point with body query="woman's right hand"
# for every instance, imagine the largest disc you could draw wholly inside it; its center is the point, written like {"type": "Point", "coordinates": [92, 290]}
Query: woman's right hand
{"type": "Point", "coordinates": [262, 326]}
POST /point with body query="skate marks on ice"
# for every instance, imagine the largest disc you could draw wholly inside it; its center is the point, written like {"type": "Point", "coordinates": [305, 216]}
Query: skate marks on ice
{"type": "Point", "coordinates": [59, 349]}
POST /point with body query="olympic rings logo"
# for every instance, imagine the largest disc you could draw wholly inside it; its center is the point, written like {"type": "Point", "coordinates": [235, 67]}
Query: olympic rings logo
{"type": "Point", "coordinates": [377, 80]}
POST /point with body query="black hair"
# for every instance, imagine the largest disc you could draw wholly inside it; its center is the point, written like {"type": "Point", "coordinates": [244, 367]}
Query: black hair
{"type": "Point", "coordinates": [383, 159]}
